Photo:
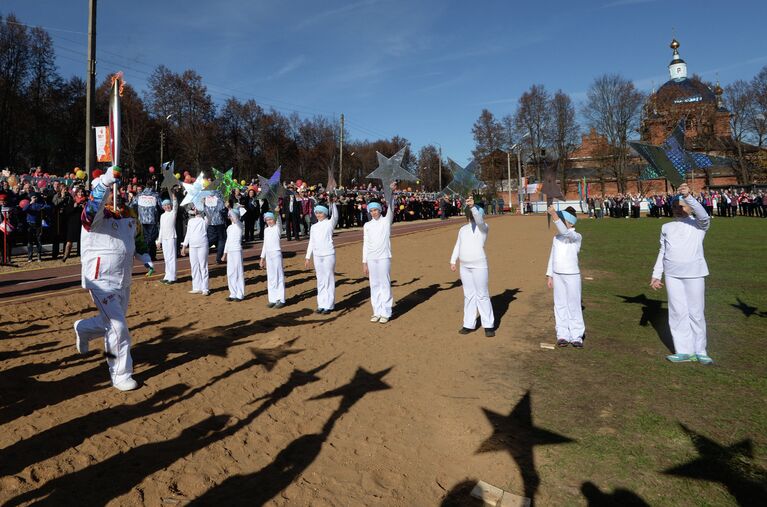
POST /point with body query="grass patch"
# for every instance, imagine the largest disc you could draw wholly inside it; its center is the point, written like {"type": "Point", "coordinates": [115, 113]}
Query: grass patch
{"type": "Point", "coordinates": [633, 414]}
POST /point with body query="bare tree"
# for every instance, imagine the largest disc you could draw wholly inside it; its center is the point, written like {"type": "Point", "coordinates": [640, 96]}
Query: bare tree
{"type": "Point", "coordinates": [739, 100]}
{"type": "Point", "coordinates": [613, 107]}
{"type": "Point", "coordinates": [489, 141]}
{"type": "Point", "coordinates": [533, 117]}
{"type": "Point", "coordinates": [759, 118]}
{"type": "Point", "coordinates": [563, 134]}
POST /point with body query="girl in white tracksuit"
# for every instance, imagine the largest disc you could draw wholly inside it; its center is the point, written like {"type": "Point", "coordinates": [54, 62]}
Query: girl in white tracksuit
{"type": "Point", "coordinates": [376, 260]}
{"type": "Point", "coordinates": [321, 246]}
{"type": "Point", "coordinates": [167, 238]}
{"type": "Point", "coordinates": [681, 259]}
{"type": "Point", "coordinates": [470, 250]}
{"type": "Point", "coordinates": [235, 274]}
{"type": "Point", "coordinates": [271, 258]}
{"type": "Point", "coordinates": [564, 276]}
{"type": "Point", "coordinates": [197, 240]}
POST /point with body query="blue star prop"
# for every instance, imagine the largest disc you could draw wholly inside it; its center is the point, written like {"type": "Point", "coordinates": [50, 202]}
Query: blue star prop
{"type": "Point", "coordinates": [465, 179]}
{"type": "Point", "coordinates": [195, 193]}
{"type": "Point", "coordinates": [390, 170]}
{"type": "Point", "coordinates": [671, 160]}
{"type": "Point", "coordinates": [271, 189]}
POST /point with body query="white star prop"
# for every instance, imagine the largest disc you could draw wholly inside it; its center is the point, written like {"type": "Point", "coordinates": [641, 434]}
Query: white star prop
{"type": "Point", "coordinates": [390, 170]}
{"type": "Point", "coordinates": [195, 193]}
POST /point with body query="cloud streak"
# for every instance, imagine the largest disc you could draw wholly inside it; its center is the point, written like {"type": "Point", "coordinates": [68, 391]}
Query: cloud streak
{"type": "Point", "coordinates": [320, 16]}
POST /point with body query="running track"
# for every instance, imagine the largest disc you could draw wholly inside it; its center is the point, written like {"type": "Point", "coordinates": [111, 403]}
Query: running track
{"type": "Point", "coordinates": [32, 284]}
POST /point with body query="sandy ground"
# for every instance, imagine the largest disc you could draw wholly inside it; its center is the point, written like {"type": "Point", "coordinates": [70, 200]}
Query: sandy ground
{"type": "Point", "coordinates": [241, 404]}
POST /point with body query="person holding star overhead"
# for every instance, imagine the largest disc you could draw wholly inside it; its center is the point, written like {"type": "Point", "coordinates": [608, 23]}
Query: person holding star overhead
{"type": "Point", "coordinates": [564, 276]}
{"type": "Point", "coordinates": [376, 258]}
{"type": "Point", "coordinates": [110, 236]}
{"type": "Point", "coordinates": [321, 247]}
{"type": "Point", "coordinates": [271, 259]}
{"type": "Point", "coordinates": [681, 260]}
{"type": "Point", "coordinates": [470, 251]}
{"type": "Point", "coordinates": [197, 240]}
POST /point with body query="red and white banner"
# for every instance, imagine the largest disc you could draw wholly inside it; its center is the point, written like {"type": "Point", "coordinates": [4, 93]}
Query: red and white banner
{"type": "Point", "coordinates": [103, 148]}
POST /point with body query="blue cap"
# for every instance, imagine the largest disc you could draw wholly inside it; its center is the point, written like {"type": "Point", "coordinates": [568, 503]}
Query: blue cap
{"type": "Point", "coordinates": [567, 217]}
{"type": "Point", "coordinates": [321, 209]}
{"type": "Point", "coordinates": [166, 202]}
{"type": "Point", "coordinates": [268, 214]}
{"type": "Point", "coordinates": [374, 205]}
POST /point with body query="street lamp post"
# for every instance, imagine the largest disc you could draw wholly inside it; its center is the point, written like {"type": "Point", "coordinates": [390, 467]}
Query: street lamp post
{"type": "Point", "coordinates": [162, 137]}
{"type": "Point", "coordinates": [519, 171]}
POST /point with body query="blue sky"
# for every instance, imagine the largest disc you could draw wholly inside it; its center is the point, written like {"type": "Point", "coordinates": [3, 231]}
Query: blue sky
{"type": "Point", "coordinates": [420, 69]}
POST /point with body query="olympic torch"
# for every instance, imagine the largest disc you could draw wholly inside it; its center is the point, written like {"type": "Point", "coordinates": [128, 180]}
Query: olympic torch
{"type": "Point", "coordinates": [115, 126]}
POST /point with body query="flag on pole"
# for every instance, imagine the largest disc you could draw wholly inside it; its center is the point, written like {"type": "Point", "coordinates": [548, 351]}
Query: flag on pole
{"type": "Point", "coordinates": [103, 148]}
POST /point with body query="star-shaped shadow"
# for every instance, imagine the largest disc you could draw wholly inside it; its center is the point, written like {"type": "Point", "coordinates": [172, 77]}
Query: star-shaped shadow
{"type": "Point", "coordinates": [464, 180]}
{"type": "Point", "coordinates": [731, 466]}
{"type": "Point", "coordinates": [169, 179]}
{"type": "Point", "coordinates": [268, 358]}
{"type": "Point", "coordinates": [271, 189]}
{"type": "Point", "coordinates": [747, 309]}
{"type": "Point", "coordinates": [195, 193]}
{"type": "Point", "coordinates": [390, 170]}
{"type": "Point", "coordinates": [361, 384]}
{"type": "Point", "coordinates": [516, 434]}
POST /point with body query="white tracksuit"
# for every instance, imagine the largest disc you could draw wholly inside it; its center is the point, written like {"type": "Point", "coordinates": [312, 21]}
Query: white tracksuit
{"type": "Point", "coordinates": [272, 253]}
{"type": "Point", "coordinates": [566, 275]}
{"type": "Point", "coordinates": [321, 246]}
{"type": "Point", "coordinates": [376, 253]}
{"type": "Point", "coordinates": [470, 250]}
{"type": "Point", "coordinates": [167, 238]}
{"type": "Point", "coordinates": [108, 246]}
{"type": "Point", "coordinates": [197, 240]}
{"type": "Point", "coordinates": [235, 275]}
{"type": "Point", "coordinates": [681, 259]}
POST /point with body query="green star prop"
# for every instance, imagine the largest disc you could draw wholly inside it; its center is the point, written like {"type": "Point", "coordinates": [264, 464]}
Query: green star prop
{"type": "Point", "coordinates": [224, 182]}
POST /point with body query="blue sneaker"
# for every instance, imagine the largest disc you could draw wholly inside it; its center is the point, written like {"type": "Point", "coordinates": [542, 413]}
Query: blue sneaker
{"type": "Point", "coordinates": [682, 358]}
{"type": "Point", "coordinates": [704, 359]}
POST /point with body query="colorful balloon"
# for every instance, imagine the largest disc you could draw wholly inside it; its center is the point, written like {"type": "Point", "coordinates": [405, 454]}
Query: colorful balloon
{"type": "Point", "coordinates": [299, 183]}
{"type": "Point", "coordinates": [96, 173]}
{"type": "Point", "coordinates": [151, 169]}
{"type": "Point", "coordinates": [243, 183]}
{"type": "Point", "coordinates": [178, 176]}
{"type": "Point", "coordinates": [23, 203]}
{"type": "Point", "coordinates": [41, 184]}
{"type": "Point", "coordinates": [134, 180]}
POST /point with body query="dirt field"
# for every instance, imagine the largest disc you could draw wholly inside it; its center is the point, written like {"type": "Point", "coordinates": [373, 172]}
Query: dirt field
{"type": "Point", "coordinates": [242, 404]}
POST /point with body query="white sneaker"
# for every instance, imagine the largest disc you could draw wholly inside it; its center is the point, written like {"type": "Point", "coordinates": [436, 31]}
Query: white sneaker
{"type": "Point", "coordinates": [195, 291]}
{"type": "Point", "coordinates": [383, 320]}
{"type": "Point", "coordinates": [374, 318]}
{"type": "Point", "coordinates": [126, 385]}
{"type": "Point", "coordinates": [80, 343]}
{"type": "Point", "coordinates": [204, 293]}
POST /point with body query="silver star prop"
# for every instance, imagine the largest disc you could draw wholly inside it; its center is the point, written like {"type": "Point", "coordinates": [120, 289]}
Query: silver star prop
{"type": "Point", "coordinates": [169, 179]}
{"type": "Point", "coordinates": [390, 170]}
{"type": "Point", "coordinates": [271, 189]}
{"type": "Point", "coordinates": [195, 193]}
{"type": "Point", "coordinates": [465, 179]}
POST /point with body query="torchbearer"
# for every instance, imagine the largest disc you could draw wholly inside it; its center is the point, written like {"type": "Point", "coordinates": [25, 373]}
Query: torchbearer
{"type": "Point", "coordinates": [470, 250]}
{"type": "Point", "coordinates": [681, 259]}
{"type": "Point", "coordinates": [109, 238]}
{"type": "Point", "coordinates": [321, 246]}
{"type": "Point", "coordinates": [235, 274]}
{"type": "Point", "coordinates": [271, 258]}
{"type": "Point", "coordinates": [564, 276]}
{"type": "Point", "coordinates": [376, 258]}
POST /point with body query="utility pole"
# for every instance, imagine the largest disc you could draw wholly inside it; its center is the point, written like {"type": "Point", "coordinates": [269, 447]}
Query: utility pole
{"type": "Point", "coordinates": [508, 174]}
{"type": "Point", "coordinates": [162, 142]}
{"type": "Point", "coordinates": [341, 155]}
{"type": "Point", "coordinates": [440, 168]}
{"type": "Point", "coordinates": [90, 90]}
{"type": "Point", "coordinates": [519, 184]}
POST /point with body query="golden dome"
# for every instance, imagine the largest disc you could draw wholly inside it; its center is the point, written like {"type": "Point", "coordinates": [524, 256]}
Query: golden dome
{"type": "Point", "coordinates": [674, 44]}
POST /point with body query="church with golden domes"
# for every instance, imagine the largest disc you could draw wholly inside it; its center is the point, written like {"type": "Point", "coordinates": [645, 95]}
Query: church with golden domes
{"type": "Point", "coordinates": [689, 98]}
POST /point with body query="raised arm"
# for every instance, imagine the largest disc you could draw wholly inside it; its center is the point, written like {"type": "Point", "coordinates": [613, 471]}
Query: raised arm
{"type": "Point", "coordinates": [93, 209]}
{"type": "Point", "coordinates": [334, 217]}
